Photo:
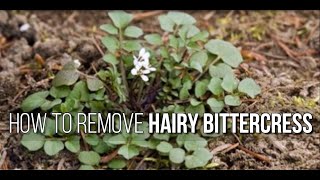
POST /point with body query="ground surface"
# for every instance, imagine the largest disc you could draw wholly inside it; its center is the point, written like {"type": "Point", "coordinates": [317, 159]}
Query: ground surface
{"type": "Point", "coordinates": [281, 49]}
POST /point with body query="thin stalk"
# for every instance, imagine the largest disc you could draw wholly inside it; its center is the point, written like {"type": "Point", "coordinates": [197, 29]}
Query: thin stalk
{"type": "Point", "coordinates": [141, 87]}
{"type": "Point", "coordinates": [122, 68]}
{"type": "Point", "coordinates": [207, 68]}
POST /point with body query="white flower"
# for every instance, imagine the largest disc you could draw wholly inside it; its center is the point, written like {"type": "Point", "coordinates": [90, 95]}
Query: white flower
{"type": "Point", "coordinates": [143, 59]}
{"type": "Point", "coordinates": [142, 65]}
{"type": "Point", "coordinates": [77, 63]}
{"type": "Point", "coordinates": [24, 27]}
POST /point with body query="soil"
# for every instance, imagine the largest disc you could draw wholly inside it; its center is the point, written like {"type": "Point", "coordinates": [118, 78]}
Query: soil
{"type": "Point", "coordinates": [281, 51]}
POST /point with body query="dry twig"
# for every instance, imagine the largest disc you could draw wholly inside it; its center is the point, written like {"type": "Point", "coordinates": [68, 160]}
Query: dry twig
{"type": "Point", "coordinates": [3, 158]}
{"type": "Point", "coordinates": [109, 157]}
{"type": "Point", "coordinates": [143, 15]}
{"type": "Point", "coordinates": [60, 165]}
{"type": "Point", "coordinates": [255, 155]}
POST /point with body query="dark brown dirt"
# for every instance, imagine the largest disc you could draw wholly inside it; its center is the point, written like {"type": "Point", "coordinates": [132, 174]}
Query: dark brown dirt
{"type": "Point", "coordinates": [281, 49]}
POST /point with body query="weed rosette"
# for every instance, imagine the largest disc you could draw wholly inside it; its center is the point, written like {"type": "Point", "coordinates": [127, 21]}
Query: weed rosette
{"type": "Point", "coordinates": [178, 71]}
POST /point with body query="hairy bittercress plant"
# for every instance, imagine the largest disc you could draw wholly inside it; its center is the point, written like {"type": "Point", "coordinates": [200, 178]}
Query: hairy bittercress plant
{"type": "Point", "coordinates": [180, 71]}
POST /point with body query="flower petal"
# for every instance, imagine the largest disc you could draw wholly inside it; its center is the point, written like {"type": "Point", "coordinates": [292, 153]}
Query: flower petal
{"type": "Point", "coordinates": [147, 71]}
{"type": "Point", "coordinates": [134, 71]}
{"type": "Point", "coordinates": [135, 60]}
{"type": "Point", "coordinates": [146, 56]}
{"type": "Point", "coordinates": [77, 63]}
{"type": "Point", "coordinates": [138, 65]}
{"type": "Point", "coordinates": [145, 63]}
{"type": "Point", "coordinates": [152, 69]}
{"type": "Point", "coordinates": [142, 52]}
{"type": "Point", "coordinates": [144, 78]}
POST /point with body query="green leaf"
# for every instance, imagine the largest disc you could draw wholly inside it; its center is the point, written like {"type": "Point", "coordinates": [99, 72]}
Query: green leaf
{"type": "Point", "coordinates": [153, 143]}
{"type": "Point", "coordinates": [32, 141]}
{"type": "Point", "coordinates": [89, 158]}
{"type": "Point", "coordinates": [53, 147]}
{"type": "Point", "coordinates": [193, 142]}
{"type": "Point", "coordinates": [94, 84]}
{"type": "Point", "coordinates": [249, 87]}
{"type": "Point", "coordinates": [201, 88]}
{"type": "Point", "coordinates": [80, 92]}
{"type": "Point", "coordinates": [86, 167]}
{"type": "Point", "coordinates": [226, 51]}
{"type": "Point", "coordinates": [132, 45]}
{"type": "Point", "coordinates": [111, 59]}
{"type": "Point", "coordinates": [59, 92]}
{"type": "Point", "coordinates": [183, 32]}
{"type": "Point", "coordinates": [50, 127]}
{"type": "Point", "coordinates": [181, 18]}
{"type": "Point", "coordinates": [192, 31]}
{"type": "Point", "coordinates": [181, 138]}
{"type": "Point", "coordinates": [73, 144]}
{"type": "Point", "coordinates": [176, 57]}
{"type": "Point", "coordinates": [198, 60]}
{"type": "Point", "coordinates": [232, 100]}
{"type": "Point", "coordinates": [50, 104]}
{"type": "Point", "coordinates": [164, 137]}
{"type": "Point", "coordinates": [215, 86]}
{"type": "Point", "coordinates": [173, 41]}
{"type": "Point", "coordinates": [194, 46]}
{"type": "Point", "coordinates": [196, 109]}
{"type": "Point", "coordinates": [201, 36]}
{"type": "Point", "coordinates": [179, 109]}
{"type": "Point", "coordinates": [120, 18]}
{"type": "Point", "coordinates": [184, 93]}
{"type": "Point", "coordinates": [96, 106]}
{"type": "Point", "coordinates": [133, 31]}
{"type": "Point", "coordinates": [111, 43]}
{"type": "Point", "coordinates": [67, 76]}
{"type": "Point", "coordinates": [177, 155]}
{"type": "Point", "coordinates": [215, 105]}
{"type": "Point", "coordinates": [175, 83]}
{"type": "Point", "coordinates": [199, 158]}
{"type": "Point", "coordinates": [166, 23]}
{"type": "Point", "coordinates": [34, 101]}
{"type": "Point", "coordinates": [164, 52]}
{"type": "Point", "coordinates": [194, 102]}
{"type": "Point", "coordinates": [229, 83]}
{"type": "Point", "coordinates": [140, 142]}
{"type": "Point", "coordinates": [99, 95]}
{"type": "Point", "coordinates": [220, 70]}
{"type": "Point", "coordinates": [187, 83]}
{"type": "Point", "coordinates": [164, 147]}
{"type": "Point", "coordinates": [102, 147]}
{"type": "Point", "coordinates": [117, 164]}
{"type": "Point", "coordinates": [106, 138]}
{"type": "Point", "coordinates": [109, 28]}
{"type": "Point", "coordinates": [103, 74]}
{"type": "Point", "coordinates": [117, 139]}
{"type": "Point", "coordinates": [92, 139]}
{"type": "Point", "coordinates": [145, 128]}
{"type": "Point", "coordinates": [154, 39]}
{"type": "Point", "coordinates": [128, 151]}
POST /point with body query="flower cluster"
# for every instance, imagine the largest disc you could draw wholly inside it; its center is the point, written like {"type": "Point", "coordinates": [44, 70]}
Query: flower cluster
{"type": "Point", "coordinates": [142, 65]}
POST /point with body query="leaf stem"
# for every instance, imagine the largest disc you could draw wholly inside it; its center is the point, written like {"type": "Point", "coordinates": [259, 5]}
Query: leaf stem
{"type": "Point", "coordinates": [176, 29]}
{"type": "Point", "coordinates": [141, 84]}
{"type": "Point", "coordinates": [85, 75]}
{"type": "Point", "coordinates": [122, 68]}
{"type": "Point", "coordinates": [206, 69]}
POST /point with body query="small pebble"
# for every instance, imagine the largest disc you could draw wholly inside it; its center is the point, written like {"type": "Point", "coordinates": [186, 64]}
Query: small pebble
{"type": "Point", "coordinates": [24, 27]}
